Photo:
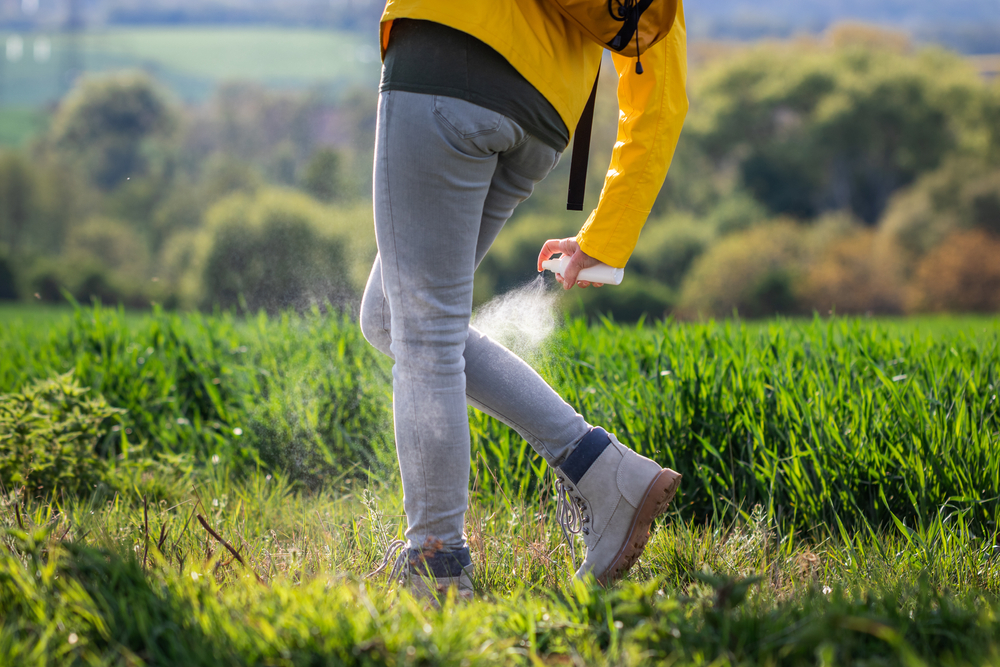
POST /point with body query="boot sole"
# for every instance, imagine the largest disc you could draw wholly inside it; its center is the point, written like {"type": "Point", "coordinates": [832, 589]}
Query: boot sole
{"type": "Point", "coordinates": [659, 494]}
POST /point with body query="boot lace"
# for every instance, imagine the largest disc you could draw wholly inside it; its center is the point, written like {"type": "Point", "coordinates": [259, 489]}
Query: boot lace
{"type": "Point", "coordinates": [568, 516]}
{"type": "Point", "coordinates": [397, 550]}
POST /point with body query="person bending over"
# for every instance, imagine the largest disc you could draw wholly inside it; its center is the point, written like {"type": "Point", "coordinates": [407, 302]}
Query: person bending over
{"type": "Point", "coordinates": [475, 105]}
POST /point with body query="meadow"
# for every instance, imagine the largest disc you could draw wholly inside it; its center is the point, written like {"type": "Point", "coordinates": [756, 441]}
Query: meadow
{"type": "Point", "coordinates": [211, 489]}
{"type": "Point", "coordinates": [191, 61]}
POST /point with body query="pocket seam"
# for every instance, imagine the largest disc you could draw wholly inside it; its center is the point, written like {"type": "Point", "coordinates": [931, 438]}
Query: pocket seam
{"type": "Point", "coordinates": [466, 135]}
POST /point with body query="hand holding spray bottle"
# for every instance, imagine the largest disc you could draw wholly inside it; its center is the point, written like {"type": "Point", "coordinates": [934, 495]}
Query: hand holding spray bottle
{"type": "Point", "coordinates": [602, 273]}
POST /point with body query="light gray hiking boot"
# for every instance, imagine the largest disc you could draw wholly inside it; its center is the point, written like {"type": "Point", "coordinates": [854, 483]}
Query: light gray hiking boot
{"type": "Point", "coordinates": [611, 495]}
{"type": "Point", "coordinates": [429, 573]}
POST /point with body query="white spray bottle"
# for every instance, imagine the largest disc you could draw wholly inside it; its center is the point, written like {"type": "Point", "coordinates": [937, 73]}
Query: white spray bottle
{"type": "Point", "coordinates": [602, 273]}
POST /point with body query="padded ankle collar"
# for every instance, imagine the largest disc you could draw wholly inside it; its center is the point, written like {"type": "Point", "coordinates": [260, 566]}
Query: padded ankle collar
{"type": "Point", "coordinates": [440, 564]}
{"type": "Point", "coordinates": [589, 449]}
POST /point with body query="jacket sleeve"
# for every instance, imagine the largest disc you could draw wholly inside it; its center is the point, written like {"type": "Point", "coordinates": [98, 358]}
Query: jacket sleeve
{"type": "Point", "coordinates": [652, 107]}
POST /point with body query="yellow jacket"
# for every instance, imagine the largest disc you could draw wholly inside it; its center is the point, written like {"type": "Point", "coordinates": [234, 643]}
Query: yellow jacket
{"type": "Point", "coordinates": [562, 63]}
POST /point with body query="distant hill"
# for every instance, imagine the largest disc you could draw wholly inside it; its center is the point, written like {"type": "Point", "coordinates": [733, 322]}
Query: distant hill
{"type": "Point", "coordinates": [357, 14]}
{"type": "Point", "coordinates": [971, 26]}
{"type": "Point", "coordinates": [819, 13]}
{"type": "Point", "coordinates": [968, 26]}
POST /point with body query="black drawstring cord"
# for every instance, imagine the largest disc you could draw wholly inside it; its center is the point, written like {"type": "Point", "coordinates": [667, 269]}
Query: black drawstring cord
{"type": "Point", "coordinates": [628, 9]}
{"type": "Point", "coordinates": [638, 60]}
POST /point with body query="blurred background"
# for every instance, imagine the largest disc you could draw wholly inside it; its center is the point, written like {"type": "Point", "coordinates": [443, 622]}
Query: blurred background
{"type": "Point", "coordinates": [839, 156]}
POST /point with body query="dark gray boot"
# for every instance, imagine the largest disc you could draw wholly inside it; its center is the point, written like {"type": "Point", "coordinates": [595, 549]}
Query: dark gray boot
{"type": "Point", "coordinates": [429, 573]}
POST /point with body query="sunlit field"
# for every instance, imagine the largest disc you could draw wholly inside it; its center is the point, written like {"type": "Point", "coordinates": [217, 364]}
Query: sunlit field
{"type": "Point", "coordinates": [191, 489]}
{"type": "Point", "coordinates": [191, 61]}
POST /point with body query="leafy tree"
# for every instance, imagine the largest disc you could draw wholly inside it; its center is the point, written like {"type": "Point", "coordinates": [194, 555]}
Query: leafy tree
{"type": "Point", "coordinates": [106, 125]}
{"type": "Point", "coordinates": [962, 194]}
{"type": "Point", "coordinates": [17, 198]}
{"type": "Point", "coordinates": [753, 272]}
{"type": "Point", "coordinates": [85, 279]}
{"type": "Point", "coordinates": [111, 244]}
{"type": "Point", "coordinates": [809, 130]}
{"type": "Point", "coordinates": [735, 213]}
{"type": "Point", "coordinates": [322, 178]}
{"type": "Point", "coordinates": [268, 252]}
{"type": "Point", "coordinates": [889, 121]}
{"type": "Point", "coordinates": [282, 165]}
{"type": "Point", "coordinates": [38, 199]}
{"type": "Point", "coordinates": [184, 204]}
{"type": "Point", "coordinates": [8, 279]}
{"type": "Point", "coordinates": [991, 117]}
{"type": "Point", "coordinates": [180, 267]}
{"type": "Point", "coordinates": [274, 132]}
{"type": "Point", "coordinates": [840, 277]}
{"type": "Point", "coordinates": [668, 248]}
{"type": "Point", "coordinates": [962, 274]}
{"type": "Point", "coordinates": [224, 174]}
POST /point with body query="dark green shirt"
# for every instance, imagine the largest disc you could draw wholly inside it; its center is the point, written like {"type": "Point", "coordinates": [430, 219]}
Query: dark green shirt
{"type": "Point", "coordinates": [430, 58]}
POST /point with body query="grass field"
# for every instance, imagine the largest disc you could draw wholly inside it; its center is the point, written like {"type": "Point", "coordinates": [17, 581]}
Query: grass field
{"type": "Point", "coordinates": [840, 503]}
{"type": "Point", "coordinates": [18, 125]}
{"type": "Point", "coordinates": [191, 61]}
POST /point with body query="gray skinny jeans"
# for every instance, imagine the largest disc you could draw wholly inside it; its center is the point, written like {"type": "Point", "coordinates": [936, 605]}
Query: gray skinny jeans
{"type": "Point", "coordinates": [448, 174]}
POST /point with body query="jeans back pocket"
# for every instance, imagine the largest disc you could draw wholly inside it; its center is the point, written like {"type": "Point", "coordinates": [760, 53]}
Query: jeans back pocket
{"type": "Point", "coordinates": [466, 119]}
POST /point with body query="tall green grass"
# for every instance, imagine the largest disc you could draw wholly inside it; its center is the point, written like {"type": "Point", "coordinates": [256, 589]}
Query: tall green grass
{"type": "Point", "coordinates": [833, 511]}
{"type": "Point", "coordinates": [304, 395]}
{"type": "Point", "coordinates": [825, 423]}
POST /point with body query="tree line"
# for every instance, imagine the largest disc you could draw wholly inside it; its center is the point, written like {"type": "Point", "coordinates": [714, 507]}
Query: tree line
{"type": "Point", "coordinates": [852, 173]}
